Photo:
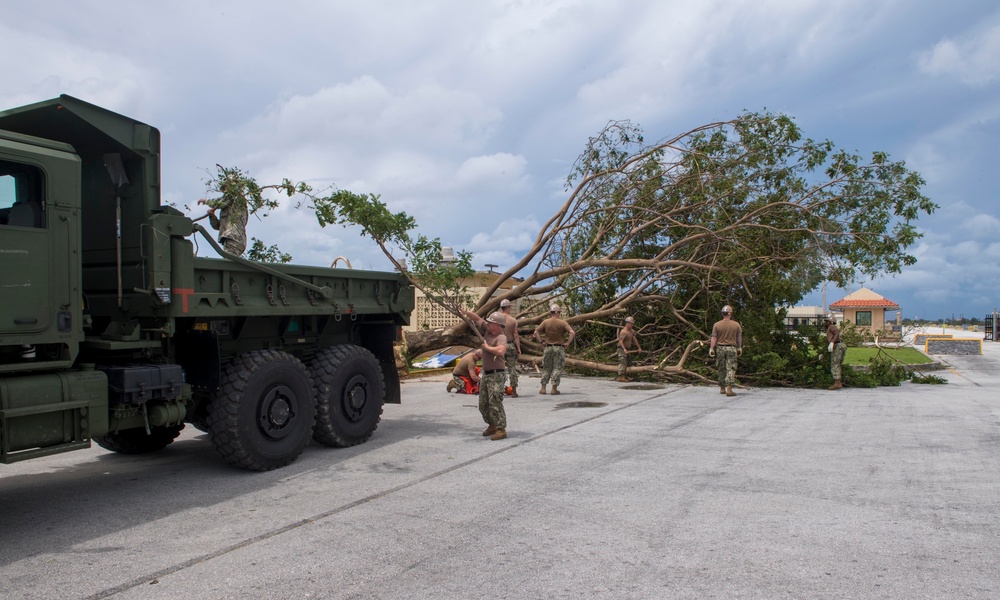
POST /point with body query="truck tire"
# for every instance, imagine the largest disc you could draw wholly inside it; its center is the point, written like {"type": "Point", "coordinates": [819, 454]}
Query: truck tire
{"type": "Point", "coordinates": [262, 415]}
{"type": "Point", "coordinates": [198, 418]}
{"type": "Point", "coordinates": [350, 392]}
{"type": "Point", "coordinates": [135, 441]}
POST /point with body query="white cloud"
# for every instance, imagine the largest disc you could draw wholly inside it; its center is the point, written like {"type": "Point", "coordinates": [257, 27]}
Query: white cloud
{"type": "Point", "coordinates": [957, 151]}
{"type": "Point", "coordinates": [973, 60]}
{"type": "Point", "coordinates": [515, 234]}
{"type": "Point", "coordinates": [364, 114]}
{"type": "Point", "coordinates": [59, 66]}
{"type": "Point", "coordinates": [502, 170]}
{"type": "Point", "coordinates": [982, 226]}
{"type": "Point", "coordinates": [452, 110]}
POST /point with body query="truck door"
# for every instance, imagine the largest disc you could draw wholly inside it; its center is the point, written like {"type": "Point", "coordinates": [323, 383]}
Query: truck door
{"type": "Point", "coordinates": [24, 251]}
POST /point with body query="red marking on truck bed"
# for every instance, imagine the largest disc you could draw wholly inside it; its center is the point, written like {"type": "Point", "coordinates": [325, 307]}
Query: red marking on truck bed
{"type": "Point", "coordinates": [184, 293]}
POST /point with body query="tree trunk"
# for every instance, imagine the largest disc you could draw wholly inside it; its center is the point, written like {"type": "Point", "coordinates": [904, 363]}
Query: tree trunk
{"type": "Point", "coordinates": [425, 340]}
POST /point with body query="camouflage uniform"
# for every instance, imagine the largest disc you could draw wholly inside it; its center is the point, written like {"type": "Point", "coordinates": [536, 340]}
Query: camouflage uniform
{"type": "Point", "coordinates": [624, 361]}
{"type": "Point", "coordinates": [553, 362]}
{"type": "Point", "coordinates": [552, 332]}
{"type": "Point", "coordinates": [464, 383]}
{"type": "Point", "coordinates": [837, 359]}
{"type": "Point", "coordinates": [839, 349]}
{"type": "Point", "coordinates": [511, 359]}
{"type": "Point", "coordinates": [491, 399]}
{"type": "Point", "coordinates": [231, 221]}
{"type": "Point", "coordinates": [725, 362]}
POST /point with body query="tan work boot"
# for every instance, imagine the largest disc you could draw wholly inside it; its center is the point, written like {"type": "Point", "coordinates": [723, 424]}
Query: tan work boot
{"type": "Point", "coordinates": [542, 391]}
{"type": "Point", "coordinates": [836, 385]}
{"type": "Point", "coordinates": [555, 391]}
{"type": "Point", "coordinates": [513, 392]}
{"type": "Point", "coordinates": [499, 435]}
{"type": "Point", "coordinates": [490, 430]}
{"type": "Point", "coordinates": [452, 386]}
{"type": "Point", "coordinates": [622, 379]}
{"type": "Point", "coordinates": [722, 390]}
{"type": "Point", "coordinates": [729, 391]}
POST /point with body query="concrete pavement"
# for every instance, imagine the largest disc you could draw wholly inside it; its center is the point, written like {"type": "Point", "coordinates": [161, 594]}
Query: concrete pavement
{"type": "Point", "coordinates": [637, 491]}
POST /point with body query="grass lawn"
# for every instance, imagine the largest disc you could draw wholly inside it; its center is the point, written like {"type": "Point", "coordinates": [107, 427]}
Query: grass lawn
{"type": "Point", "coordinates": [862, 356]}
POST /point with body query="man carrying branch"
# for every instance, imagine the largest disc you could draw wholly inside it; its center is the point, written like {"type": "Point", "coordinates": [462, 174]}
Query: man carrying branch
{"type": "Point", "coordinates": [494, 375]}
{"type": "Point", "coordinates": [626, 339]}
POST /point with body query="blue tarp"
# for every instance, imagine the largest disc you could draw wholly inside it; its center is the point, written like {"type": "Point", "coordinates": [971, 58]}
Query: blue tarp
{"type": "Point", "coordinates": [440, 360]}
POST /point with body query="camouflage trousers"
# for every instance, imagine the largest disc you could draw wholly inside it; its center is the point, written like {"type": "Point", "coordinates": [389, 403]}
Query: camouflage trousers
{"type": "Point", "coordinates": [462, 383]}
{"type": "Point", "coordinates": [837, 359]}
{"type": "Point", "coordinates": [491, 399]}
{"type": "Point", "coordinates": [725, 362]}
{"type": "Point", "coordinates": [232, 227]}
{"type": "Point", "coordinates": [553, 362]}
{"type": "Point", "coordinates": [511, 359]}
{"type": "Point", "coordinates": [234, 245]}
{"type": "Point", "coordinates": [624, 361]}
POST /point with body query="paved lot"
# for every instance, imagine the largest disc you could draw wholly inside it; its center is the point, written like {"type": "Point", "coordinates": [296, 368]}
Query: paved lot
{"type": "Point", "coordinates": [661, 492]}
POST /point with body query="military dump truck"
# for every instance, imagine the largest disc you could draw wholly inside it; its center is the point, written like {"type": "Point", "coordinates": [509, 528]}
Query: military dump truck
{"type": "Point", "coordinates": [113, 329]}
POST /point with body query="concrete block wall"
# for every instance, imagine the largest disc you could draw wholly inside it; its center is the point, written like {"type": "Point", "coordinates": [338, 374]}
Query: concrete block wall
{"type": "Point", "coordinates": [920, 338]}
{"type": "Point", "coordinates": [953, 346]}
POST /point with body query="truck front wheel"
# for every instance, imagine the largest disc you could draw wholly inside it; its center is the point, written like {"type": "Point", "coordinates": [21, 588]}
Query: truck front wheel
{"type": "Point", "coordinates": [263, 413]}
{"type": "Point", "coordinates": [349, 393]}
{"type": "Point", "coordinates": [135, 441]}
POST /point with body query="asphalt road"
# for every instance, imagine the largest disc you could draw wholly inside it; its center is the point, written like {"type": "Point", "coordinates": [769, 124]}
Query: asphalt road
{"type": "Point", "coordinates": [653, 492]}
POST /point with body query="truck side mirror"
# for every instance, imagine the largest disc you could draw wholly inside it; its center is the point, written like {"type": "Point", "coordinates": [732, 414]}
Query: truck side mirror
{"type": "Point", "coordinates": [113, 163]}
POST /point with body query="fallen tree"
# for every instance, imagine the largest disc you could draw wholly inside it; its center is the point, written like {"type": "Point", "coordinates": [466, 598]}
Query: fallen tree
{"type": "Point", "coordinates": [744, 212]}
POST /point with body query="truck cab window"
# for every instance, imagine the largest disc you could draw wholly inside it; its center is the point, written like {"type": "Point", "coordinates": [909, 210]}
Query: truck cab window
{"type": "Point", "coordinates": [21, 195]}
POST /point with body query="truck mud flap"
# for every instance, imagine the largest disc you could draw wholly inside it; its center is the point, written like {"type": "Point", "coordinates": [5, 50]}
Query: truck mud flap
{"type": "Point", "coordinates": [197, 352]}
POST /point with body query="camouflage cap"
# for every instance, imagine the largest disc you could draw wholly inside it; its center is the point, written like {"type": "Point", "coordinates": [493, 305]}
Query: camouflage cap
{"type": "Point", "coordinates": [727, 310]}
{"type": "Point", "coordinates": [504, 303]}
{"type": "Point", "coordinates": [554, 308]}
{"type": "Point", "coordinates": [629, 320]}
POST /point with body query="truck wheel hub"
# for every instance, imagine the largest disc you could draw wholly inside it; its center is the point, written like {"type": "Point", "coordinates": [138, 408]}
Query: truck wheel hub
{"type": "Point", "coordinates": [355, 398]}
{"type": "Point", "coordinates": [277, 412]}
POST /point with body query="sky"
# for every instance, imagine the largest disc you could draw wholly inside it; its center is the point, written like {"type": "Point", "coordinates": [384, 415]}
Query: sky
{"type": "Point", "coordinates": [468, 115]}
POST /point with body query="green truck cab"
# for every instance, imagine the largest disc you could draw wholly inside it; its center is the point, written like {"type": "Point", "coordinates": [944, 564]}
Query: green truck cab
{"type": "Point", "coordinates": [112, 330]}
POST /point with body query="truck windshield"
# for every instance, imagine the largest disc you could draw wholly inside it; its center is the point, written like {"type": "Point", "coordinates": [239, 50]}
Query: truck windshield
{"type": "Point", "coordinates": [20, 195]}
{"type": "Point", "coordinates": [7, 191]}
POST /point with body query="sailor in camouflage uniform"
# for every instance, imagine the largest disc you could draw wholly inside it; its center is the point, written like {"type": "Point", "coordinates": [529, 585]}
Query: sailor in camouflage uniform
{"type": "Point", "coordinates": [493, 377]}
{"type": "Point", "coordinates": [553, 332]}
{"type": "Point", "coordinates": [626, 339]}
{"type": "Point", "coordinates": [231, 221]}
{"type": "Point", "coordinates": [837, 350]}
{"type": "Point", "coordinates": [727, 338]}
{"type": "Point", "coordinates": [513, 346]}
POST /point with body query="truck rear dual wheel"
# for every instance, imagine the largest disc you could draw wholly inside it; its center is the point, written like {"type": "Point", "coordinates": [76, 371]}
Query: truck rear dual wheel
{"type": "Point", "coordinates": [263, 413]}
{"type": "Point", "coordinates": [350, 392]}
{"type": "Point", "coordinates": [136, 441]}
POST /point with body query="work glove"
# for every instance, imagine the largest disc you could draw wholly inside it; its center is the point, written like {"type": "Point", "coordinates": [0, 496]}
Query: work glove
{"type": "Point", "coordinates": [739, 352]}
{"type": "Point", "coordinates": [830, 348]}
{"type": "Point", "coordinates": [711, 353]}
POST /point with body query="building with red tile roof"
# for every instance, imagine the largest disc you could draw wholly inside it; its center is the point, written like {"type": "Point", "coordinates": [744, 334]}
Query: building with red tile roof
{"type": "Point", "coordinates": [865, 308]}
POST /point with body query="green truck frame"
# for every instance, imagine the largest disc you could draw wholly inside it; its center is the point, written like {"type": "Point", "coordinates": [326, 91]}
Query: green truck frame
{"type": "Point", "coordinates": [113, 330]}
